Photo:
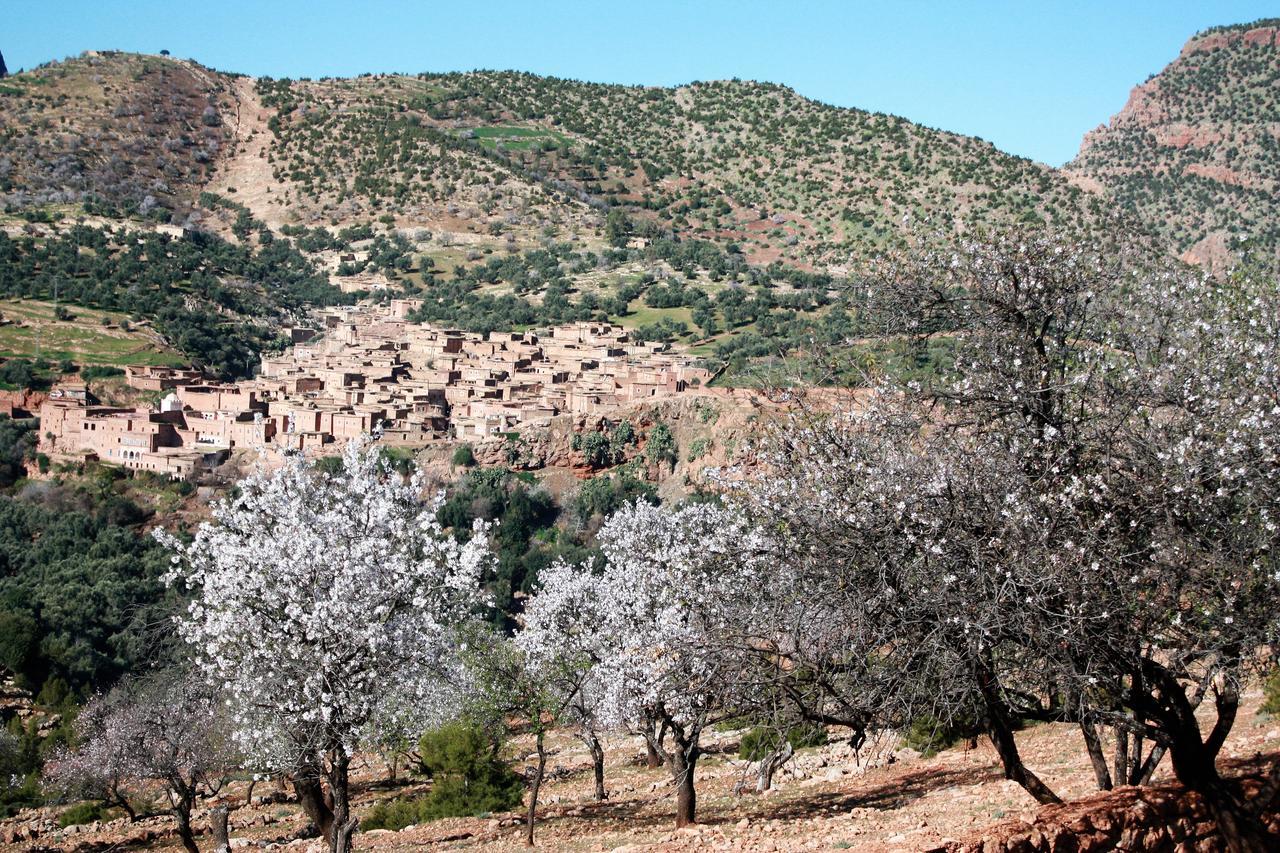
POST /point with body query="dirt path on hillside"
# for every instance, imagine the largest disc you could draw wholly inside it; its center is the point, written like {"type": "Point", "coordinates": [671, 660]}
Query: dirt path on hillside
{"type": "Point", "coordinates": [245, 168]}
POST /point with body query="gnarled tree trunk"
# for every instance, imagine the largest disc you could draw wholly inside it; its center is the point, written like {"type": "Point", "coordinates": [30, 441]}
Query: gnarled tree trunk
{"type": "Point", "coordinates": [770, 764]}
{"type": "Point", "coordinates": [339, 785]}
{"type": "Point", "coordinates": [1195, 758]}
{"type": "Point", "coordinates": [686, 795]}
{"type": "Point", "coordinates": [315, 801]}
{"type": "Point", "coordinates": [1000, 729]}
{"type": "Point", "coordinates": [182, 798]}
{"type": "Point", "coordinates": [218, 828]}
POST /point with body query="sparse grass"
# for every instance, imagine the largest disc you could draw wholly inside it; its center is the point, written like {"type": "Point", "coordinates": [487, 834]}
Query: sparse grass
{"type": "Point", "coordinates": [642, 315]}
{"type": "Point", "coordinates": [517, 138]}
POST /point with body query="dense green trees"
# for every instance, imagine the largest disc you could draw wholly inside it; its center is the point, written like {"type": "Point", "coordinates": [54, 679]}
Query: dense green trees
{"type": "Point", "coordinates": [526, 538]}
{"type": "Point", "coordinates": [213, 300]}
{"type": "Point", "coordinates": [17, 446]}
{"type": "Point", "coordinates": [80, 597]}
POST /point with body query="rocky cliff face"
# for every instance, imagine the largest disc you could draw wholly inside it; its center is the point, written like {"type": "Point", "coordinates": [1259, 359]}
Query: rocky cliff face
{"type": "Point", "coordinates": [712, 429]}
{"type": "Point", "coordinates": [1196, 150]}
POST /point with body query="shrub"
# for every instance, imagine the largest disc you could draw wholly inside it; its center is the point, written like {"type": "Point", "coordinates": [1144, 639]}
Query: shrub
{"type": "Point", "coordinates": [595, 448]}
{"type": "Point", "coordinates": [464, 456]}
{"type": "Point", "coordinates": [928, 735]}
{"type": "Point", "coordinates": [1271, 695]}
{"type": "Point", "coordinates": [661, 446]}
{"type": "Point", "coordinates": [328, 465]}
{"type": "Point", "coordinates": [100, 372]}
{"type": "Point", "coordinates": [763, 740]}
{"type": "Point", "coordinates": [603, 495]}
{"type": "Point", "coordinates": [467, 779]}
{"type": "Point", "coordinates": [81, 813]}
{"type": "Point", "coordinates": [399, 459]}
{"type": "Point", "coordinates": [21, 373]}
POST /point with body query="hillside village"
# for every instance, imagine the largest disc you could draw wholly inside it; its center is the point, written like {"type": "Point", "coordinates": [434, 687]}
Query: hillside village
{"type": "Point", "coordinates": [371, 370]}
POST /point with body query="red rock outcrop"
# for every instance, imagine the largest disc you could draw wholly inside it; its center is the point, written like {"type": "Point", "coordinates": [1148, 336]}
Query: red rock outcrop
{"type": "Point", "coordinates": [23, 403]}
{"type": "Point", "coordinates": [1166, 817]}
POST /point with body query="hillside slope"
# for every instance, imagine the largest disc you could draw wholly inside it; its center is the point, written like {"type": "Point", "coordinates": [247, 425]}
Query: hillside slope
{"type": "Point", "coordinates": [507, 157]}
{"type": "Point", "coordinates": [785, 177]}
{"type": "Point", "coordinates": [511, 160]}
{"type": "Point", "coordinates": [1196, 150]}
{"type": "Point", "coordinates": [116, 132]}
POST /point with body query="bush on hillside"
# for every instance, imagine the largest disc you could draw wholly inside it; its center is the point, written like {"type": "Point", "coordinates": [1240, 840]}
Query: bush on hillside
{"type": "Point", "coordinates": [762, 741]}
{"type": "Point", "coordinates": [82, 813]}
{"type": "Point", "coordinates": [467, 779]}
{"type": "Point", "coordinates": [100, 372]}
{"type": "Point", "coordinates": [928, 735]}
{"type": "Point", "coordinates": [1271, 695]}
{"type": "Point", "coordinates": [464, 456]}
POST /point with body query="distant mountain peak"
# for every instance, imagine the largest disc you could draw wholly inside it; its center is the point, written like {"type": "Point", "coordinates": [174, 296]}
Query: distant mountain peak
{"type": "Point", "coordinates": [1196, 149]}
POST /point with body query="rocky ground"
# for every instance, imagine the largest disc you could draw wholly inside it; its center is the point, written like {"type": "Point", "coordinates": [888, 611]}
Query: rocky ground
{"type": "Point", "coordinates": [884, 798]}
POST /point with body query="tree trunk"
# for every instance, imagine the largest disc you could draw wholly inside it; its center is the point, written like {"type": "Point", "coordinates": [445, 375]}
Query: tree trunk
{"type": "Point", "coordinates": [1120, 764]}
{"type": "Point", "coordinates": [770, 763]}
{"type": "Point", "coordinates": [535, 788]}
{"type": "Point", "coordinates": [651, 758]}
{"type": "Point", "coordinates": [597, 763]}
{"type": "Point", "coordinates": [248, 797]}
{"type": "Point", "coordinates": [182, 812]}
{"type": "Point", "coordinates": [1001, 732]}
{"type": "Point", "coordinates": [124, 804]}
{"type": "Point", "coordinates": [1098, 758]}
{"type": "Point", "coordinates": [342, 839]}
{"type": "Point", "coordinates": [317, 806]}
{"type": "Point", "coordinates": [685, 763]}
{"type": "Point", "coordinates": [1195, 764]}
{"type": "Point", "coordinates": [343, 826]}
{"type": "Point", "coordinates": [1194, 767]}
{"type": "Point", "coordinates": [1143, 772]}
{"type": "Point", "coordinates": [654, 734]}
{"type": "Point", "coordinates": [218, 828]}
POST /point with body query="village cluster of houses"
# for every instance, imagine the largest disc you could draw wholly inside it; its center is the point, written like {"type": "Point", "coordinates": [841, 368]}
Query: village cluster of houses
{"type": "Point", "coordinates": [369, 370]}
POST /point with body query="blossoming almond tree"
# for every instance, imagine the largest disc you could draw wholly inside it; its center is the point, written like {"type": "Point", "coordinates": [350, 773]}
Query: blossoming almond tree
{"type": "Point", "coordinates": [667, 611]}
{"type": "Point", "coordinates": [562, 647]}
{"type": "Point", "coordinates": [1074, 520]}
{"type": "Point", "coordinates": [162, 728]}
{"type": "Point", "coordinates": [324, 607]}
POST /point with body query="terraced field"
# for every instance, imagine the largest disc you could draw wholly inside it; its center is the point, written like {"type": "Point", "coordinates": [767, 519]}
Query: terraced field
{"type": "Point", "coordinates": [31, 330]}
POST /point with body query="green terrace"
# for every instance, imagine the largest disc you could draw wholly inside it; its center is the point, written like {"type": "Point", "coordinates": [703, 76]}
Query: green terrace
{"type": "Point", "coordinates": [518, 138]}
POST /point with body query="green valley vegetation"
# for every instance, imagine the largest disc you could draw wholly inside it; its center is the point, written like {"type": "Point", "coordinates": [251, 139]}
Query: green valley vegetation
{"type": "Point", "coordinates": [213, 301]}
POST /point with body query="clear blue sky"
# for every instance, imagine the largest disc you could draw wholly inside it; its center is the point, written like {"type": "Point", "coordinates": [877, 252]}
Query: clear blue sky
{"type": "Point", "coordinates": [1029, 76]}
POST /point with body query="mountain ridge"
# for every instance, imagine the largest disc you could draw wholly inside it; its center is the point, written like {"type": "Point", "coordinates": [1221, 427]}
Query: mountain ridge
{"type": "Point", "coordinates": [510, 158]}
